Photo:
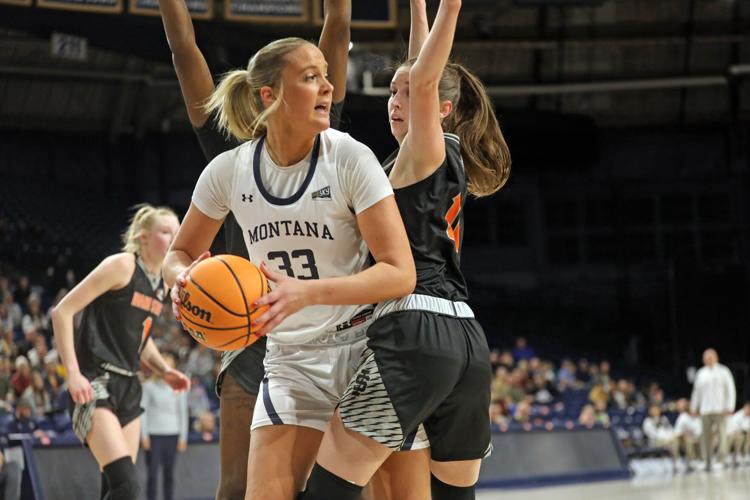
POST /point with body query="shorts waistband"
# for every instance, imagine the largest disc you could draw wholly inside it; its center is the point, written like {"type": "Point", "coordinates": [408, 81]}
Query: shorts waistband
{"type": "Point", "coordinates": [418, 302]}
{"type": "Point", "coordinates": [116, 369]}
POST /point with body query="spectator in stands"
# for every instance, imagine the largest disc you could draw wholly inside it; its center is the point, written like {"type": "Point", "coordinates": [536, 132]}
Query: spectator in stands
{"type": "Point", "coordinates": [582, 372]}
{"type": "Point", "coordinates": [200, 362]}
{"type": "Point", "coordinates": [587, 416]}
{"type": "Point", "coordinates": [37, 396]}
{"type": "Point", "coordinates": [24, 424]}
{"type": "Point", "coordinates": [566, 375]}
{"type": "Point", "coordinates": [14, 311]}
{"type": "Point", "coordinates": [498, 414]}
{"type": "Point", "coordinates": [34, 320]}
{"type": "Point", "coordinates": [597, 395]}
{"type": "Point", "coordinates": [5, 387]}
{"type": "Point", "coordinates": [738, 428]}
{"type": "Point", "coordinates": [543, 390]}
{"type": "Point", "coordinates": [53, 382]}
{"type": "Point", "coordinates": [37, 354]}
{"type": "Point", "coordinates": [198, 402]}
{"type": "Point", "coordinates": [164, 430]}
{"type": "Point", "coordinates": [4, 285]}
{"type": "Point", "coordinates": [6, 322]}
{"type": "Point", "coordinates": [687, 430]}
{"type": "Point", "coordinates": [714, 399]}
{"type": "Point", "coordinates": [10, 478]}
{"type": "Point", "coordinates": [7, 345]}
{"type": "Point", "coordinates": [660, 433]}
{"type": "Point", "coordinates": [22, 291]}
{"type": "Point", "coordinates": [494, 359]}
{"type": "Point", "coordinates": [604, 376]}
{"type": "Point", "coordinates": [506, 360]}
{"type": "Point", "coordinates": [522, 350]}
{"type": "Point", "coordinates": [522, 412]}
{"type": "Point", "coordinates": [206, 425]}
{"type": "Point", "coordinates": [21, 379]}
{"type": "Point", "coordinates": [500, 383]}
{"type": "Point", "coordinates": [600, 409]}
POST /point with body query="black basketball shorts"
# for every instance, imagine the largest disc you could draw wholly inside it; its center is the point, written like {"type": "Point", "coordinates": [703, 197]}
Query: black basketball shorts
{"type": "Point", "coordinates": [424, 367]}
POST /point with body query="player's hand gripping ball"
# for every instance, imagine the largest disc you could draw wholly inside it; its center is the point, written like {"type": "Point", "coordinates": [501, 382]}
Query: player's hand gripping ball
{"type": "Point", "coordinates": [216, 304]}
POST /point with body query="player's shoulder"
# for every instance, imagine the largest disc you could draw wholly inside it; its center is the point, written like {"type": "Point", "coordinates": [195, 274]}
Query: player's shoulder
{"type": "Point", "coordinates": [118, 268]}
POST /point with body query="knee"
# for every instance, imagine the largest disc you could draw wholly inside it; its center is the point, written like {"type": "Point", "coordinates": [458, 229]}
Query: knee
{"type": "Point", "coordinates": [122, 479]}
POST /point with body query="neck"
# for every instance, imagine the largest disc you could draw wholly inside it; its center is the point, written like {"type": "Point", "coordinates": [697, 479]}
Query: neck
{"type": "Point", "coordinates": [287, 147]}
{"type": "Point", "coordinates": [153, 266]}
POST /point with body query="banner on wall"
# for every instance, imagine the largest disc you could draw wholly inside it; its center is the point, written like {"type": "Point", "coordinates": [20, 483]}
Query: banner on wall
{"type": "Point", "coordinates": [199, 9]}
{"type": "Point", "coordinates": [102, 6]}
{"type": "Point", "coordinates": [376, 14]}
{"type": "Point", "coordinates": [268, 11]}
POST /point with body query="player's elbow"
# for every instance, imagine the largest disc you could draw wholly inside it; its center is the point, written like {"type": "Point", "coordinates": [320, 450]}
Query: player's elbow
{"type": "Point", "coordinates": [408, 279]}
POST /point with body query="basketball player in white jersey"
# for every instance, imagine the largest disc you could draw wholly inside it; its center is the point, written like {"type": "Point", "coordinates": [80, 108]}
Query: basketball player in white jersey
{"type": "Point", "coordinates": [313, 205]}
{"type": "Point", "coordinates": [241, 371]}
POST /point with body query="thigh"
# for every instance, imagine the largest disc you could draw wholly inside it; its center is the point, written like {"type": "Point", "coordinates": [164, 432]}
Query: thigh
{"type": "Point", "coordinates": [405, 475]}
{"type": "Point", "coordinates": [460, 473]}
{"type": "Point", "coordinates": [281, 458]}
{"type": "Point", "coordinates": [132, 433]}
{"type": "Point", "coordinates": [106, 438]}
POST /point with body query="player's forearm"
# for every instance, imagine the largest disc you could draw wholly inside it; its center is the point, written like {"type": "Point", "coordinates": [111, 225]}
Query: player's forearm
{"type": "Point", "coordinates": [380, 282]}
{"type": "Point", "coordinates": [334, 43]}
{"type": "Point", "coordinates": [178, 26]}
{"type": "Point", "coordinates": [175, 262]}
{"type": "Point", "coordinates": [437, 48]}
{"type": "Point", "coordinates": [419, 28]}
{"type": "Point", "coordinates": [152, 358]}
{"type": "Point", "coordinates": [62, 327]}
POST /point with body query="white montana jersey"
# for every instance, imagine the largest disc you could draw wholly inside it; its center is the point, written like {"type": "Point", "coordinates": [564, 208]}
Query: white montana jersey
{"type": "Point", "coordinates": [301, 219]}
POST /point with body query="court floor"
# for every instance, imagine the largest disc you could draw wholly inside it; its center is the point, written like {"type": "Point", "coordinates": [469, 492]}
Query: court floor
{"type": "Point", "coordinates": [729, 484]}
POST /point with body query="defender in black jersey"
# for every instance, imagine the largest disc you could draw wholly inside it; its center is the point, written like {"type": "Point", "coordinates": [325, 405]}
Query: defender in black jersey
{"type": "Point", "coordinates": [121, 299]}
{"type": "Point", "coordinates": [241, 372]}
{"type": "Point", "coordinates": [427, 360]}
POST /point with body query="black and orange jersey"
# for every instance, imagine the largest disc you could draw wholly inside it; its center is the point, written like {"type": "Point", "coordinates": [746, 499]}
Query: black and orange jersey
{"type": "Point", "coordinates": [116, 325]}
{"type": "Point", "coordinates": [432, 210]}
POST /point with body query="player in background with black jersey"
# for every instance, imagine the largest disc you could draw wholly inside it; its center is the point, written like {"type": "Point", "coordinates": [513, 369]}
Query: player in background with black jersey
{"type": "Point", "coordinates": [241, 371]}
{"type": "Point", "coordinates": [427, 360]}
{"type": "Point", "coordinates": [120, 299]}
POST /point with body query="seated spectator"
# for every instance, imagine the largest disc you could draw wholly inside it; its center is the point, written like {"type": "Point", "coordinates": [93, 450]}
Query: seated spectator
{"type": "Point", "coordinates": [200, 362]}
{"type": "Point", "coordinates": [566, 375]}
{"type": "Point", "coordinates": [5, 387]}
{"type": "Point", "coordinates": [600, 409]}
{"type": "Point", "coordinates": [498, 414]}
{"type": "Point", "coordinates": [53, 383]}
{"type": "Point", "coordinates": [543, 390]}
{"type": "Point", "coordinates": [37, 396]}
{"type": "Point", "coordinates": [34, 323]}
{"type": "Point", "coordinates": [15, 314]}
{"type": "Point", "coordinates": [522, 413]}
{"type": "Point", "coordinates": [604, 376]}
{"type": "Point", "coordinates": [522, 351]}
{"type": "Point", "coordinates": [8, 347]}
{"type": "Point", "coordinates": [687, 428]}
{"type": "Point", "coordinates": [22, 291]}
{"type": "Point", "coordinates": [198, 402]}
{"type": "Point", "coordinates": [587, 416]}
{"type": "Point", "coordinates": [6, 322]}
{"type": "Point", "coordinates": [660, 432]}
{"type": "Point", "coordinates": [21, 379]}
{"type": "Point", "coordinates": [500, 385]}
{"type": "Point", "coordinates": [738, 440]}
{"type": "Point", "coordinates": [597, 395]}
{"type": "Point", "coordinates": [506, 360]}
{"type": "Point", "coordinates": [494, 359]}
{"type": "Point", "coordinates": [582, 372]}
{"type": "Point", "coordinates": [24, 424]}
{"type": "Point", "coordinates": [40, 351]}
{"type": "Point", "coordinates": [206, 425]}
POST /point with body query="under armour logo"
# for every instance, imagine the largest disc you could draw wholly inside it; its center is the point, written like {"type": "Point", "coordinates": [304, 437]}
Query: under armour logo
{"type": "Point", "coordinates": [247, 197]}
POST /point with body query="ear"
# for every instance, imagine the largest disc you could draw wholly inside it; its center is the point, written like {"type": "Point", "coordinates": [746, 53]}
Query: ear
{"type": "Point", "coordinates": [445, 109]}
{"type": "Point", "coordinates": [267, 96]}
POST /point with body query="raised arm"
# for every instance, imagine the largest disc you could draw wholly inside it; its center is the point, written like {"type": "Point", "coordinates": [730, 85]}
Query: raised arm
{"type": "Point", "coordinates": [424, 147]}
{"type": "Point", "coordinates": [419, 28]}
{"type": "Point", "coordinates": [192, 70]}
{"type": "Point", "coordinates": [334, 43]}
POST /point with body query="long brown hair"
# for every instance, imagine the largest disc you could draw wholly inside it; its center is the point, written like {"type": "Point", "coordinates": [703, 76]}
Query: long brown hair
{"type": "Point", "coordinates": [483, 147]}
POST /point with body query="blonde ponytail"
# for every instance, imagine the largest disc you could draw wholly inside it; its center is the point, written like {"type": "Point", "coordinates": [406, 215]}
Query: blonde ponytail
{"type": "Point", "coordinates": [236, 101]}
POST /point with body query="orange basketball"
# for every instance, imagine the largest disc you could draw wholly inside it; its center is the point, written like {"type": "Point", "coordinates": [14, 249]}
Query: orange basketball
{"type": "Point", "coordinates": [216, 304]}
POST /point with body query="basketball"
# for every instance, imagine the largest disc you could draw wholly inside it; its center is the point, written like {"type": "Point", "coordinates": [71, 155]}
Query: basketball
{"type": "Point", "coordinates": [216, 303]}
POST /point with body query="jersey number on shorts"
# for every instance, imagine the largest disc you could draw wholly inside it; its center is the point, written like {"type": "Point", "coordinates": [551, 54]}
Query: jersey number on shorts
{"type": "Point", "coordinates": [305, 258]}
